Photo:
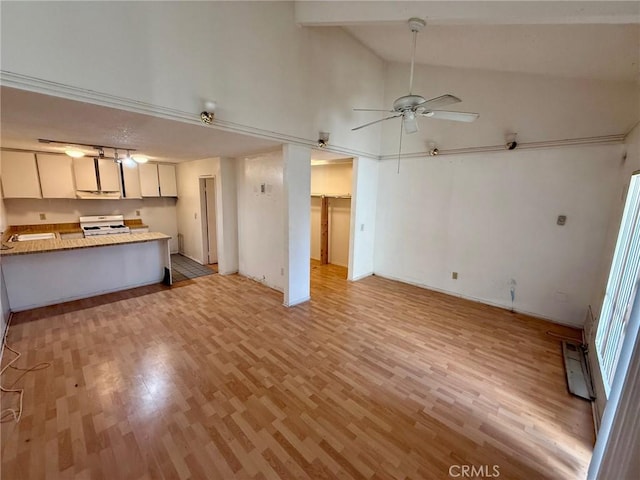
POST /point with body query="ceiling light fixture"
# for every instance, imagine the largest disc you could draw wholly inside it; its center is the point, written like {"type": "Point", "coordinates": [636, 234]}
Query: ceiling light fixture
{"type": "Point", "coordinates": [208, 114]}
{"type": "Point", "coordinates": [74, 153]}
{"type": "Point", "coordinates": [77, 153]}
{"type": "Point", "coordinates": [323, 139]}
{"type": "Point", "coordinates": [511, 141]}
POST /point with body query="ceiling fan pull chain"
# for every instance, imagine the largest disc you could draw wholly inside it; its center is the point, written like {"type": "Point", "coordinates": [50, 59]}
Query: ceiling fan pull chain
{"type": "Point", "coordinates": [400, 148]}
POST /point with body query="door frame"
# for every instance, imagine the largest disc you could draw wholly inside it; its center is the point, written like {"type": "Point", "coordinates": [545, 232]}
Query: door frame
{"type": "Point", "coordinates": [204, 218]}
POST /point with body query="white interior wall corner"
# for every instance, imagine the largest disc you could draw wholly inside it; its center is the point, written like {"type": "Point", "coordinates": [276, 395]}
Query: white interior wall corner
{"type": "Point", "coordinates": [227, 219]}
{"type": "Point", "coordinates": [363, 217]}
{"type": "Point", "coordinates": [297, 214]}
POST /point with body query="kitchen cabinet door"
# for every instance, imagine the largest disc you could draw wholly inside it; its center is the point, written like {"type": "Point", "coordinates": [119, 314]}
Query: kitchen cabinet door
{"type": "Point", "coordinates": [149, 185]}
{"type": "Point", "coordinates": [167, 176]}
{"type": "Point", "coordinates": [131, 180]}
{"type": "Point", "coordinates": [20, 175]}
{"type": "Point", "coordinates": [109, 175]}
{"type": "Point", "coordinates": [56, 176]}
{"type": "Point", "coordinates": [84, 170]}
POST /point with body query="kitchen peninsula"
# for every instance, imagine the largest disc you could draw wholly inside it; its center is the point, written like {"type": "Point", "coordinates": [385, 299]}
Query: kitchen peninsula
{"type": "Point", "coordinates": [46, 272]}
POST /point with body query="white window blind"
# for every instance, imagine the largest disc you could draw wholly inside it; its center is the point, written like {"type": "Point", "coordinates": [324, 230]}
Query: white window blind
{"type": "Point", "coordinates": [621, 286]}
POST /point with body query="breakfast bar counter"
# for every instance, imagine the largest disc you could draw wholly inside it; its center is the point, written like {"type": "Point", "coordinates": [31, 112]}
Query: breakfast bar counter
{"type": "Point", "coordinates": [46, 272]}
{"type": "Point", "coordinates": [57, 244]}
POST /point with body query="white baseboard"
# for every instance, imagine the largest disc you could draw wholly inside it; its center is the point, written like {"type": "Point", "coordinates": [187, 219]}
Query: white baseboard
{"type": "Point", "coordinates": [297, 302]}
{"type": "Point", "coordinates": [479, 300]}
{"type": "Point", "coordinates": [360, 277]}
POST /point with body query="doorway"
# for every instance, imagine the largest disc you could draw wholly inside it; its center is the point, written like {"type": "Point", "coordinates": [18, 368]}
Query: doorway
{"type": "Point", "coordinates": [331, 184]}
{"type": "Point", "coordinates": [208, 219]}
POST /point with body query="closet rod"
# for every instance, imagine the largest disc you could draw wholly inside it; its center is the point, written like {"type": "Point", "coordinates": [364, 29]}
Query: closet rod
{"type": "Point", "coordinates": [319, 195]}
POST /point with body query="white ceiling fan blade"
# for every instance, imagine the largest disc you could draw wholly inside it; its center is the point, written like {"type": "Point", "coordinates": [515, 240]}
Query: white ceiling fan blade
{"type": "Point", "coordinates": [455, 116]}
{"type": "Point", "coordinates": [410, 123]}
{"type": "Point", "coordinates": [376, 121]}
{"type": "Point", "coordinates": [371, 110]}
{"type": "Point", "coordinates": [437, 102]}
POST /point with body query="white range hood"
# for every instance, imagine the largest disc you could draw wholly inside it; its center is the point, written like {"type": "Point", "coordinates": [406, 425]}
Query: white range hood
{"type": "Point", "coordinates": [97, 195]}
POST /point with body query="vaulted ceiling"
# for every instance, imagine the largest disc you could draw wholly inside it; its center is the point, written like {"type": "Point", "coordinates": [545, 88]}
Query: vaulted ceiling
{"type": "Point", "coordinates": [599, 40]}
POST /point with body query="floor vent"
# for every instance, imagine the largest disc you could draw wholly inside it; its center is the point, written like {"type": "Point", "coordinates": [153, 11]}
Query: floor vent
{"type": "Point", "coordinates": [577, 369]}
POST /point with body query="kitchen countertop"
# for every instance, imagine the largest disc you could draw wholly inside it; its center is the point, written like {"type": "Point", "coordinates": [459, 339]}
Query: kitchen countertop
{"type": "Point", "coordinates": [54, 245]}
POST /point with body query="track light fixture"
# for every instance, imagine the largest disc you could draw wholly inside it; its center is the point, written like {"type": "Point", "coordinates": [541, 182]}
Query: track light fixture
{"type": "Point", "coordinates": [208, 114]}
{"type": "Point", "coordinates": [511, 141]}
{"type": "Point", "coordinates": [76, 153]}
{"type": "Point", "coordinates": [323, 139]}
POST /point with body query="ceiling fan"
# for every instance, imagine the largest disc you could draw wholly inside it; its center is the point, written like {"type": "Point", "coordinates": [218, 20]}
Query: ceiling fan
{"type": "Point", "coordinates": [409, 107]}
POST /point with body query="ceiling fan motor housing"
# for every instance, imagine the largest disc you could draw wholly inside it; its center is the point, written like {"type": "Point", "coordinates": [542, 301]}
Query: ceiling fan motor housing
{"type": "Point", "coordinates": [408, 102]}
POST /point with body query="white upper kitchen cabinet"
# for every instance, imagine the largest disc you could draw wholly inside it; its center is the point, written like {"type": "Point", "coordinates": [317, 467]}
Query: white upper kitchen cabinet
{"type": "Point", "coordinates": [20, 175]}
{"type": "Point", "coordinates": [167, 176]}
{"type": "Point", "coordinates": [56, 176]}
{"type": "Point", "coordinates": [131, 180]}
{"type": "Point", "coordinates": [149, 185]}
{"type": "Point", "coordinates": [84, 169]}
{"type": "Point", "coordinates": [109, 175]}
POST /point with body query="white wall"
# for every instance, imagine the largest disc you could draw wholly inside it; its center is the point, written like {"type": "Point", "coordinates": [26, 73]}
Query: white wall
{"type": "Point", "coordinates": [261, 225]}
{"type": "Point", "coordinates": [188, 204]}
{"type": "Point", "coordinates": [176, 54]}
{"type": "Point", "coordinates": [363, 217]}
{"type": "Point", "coordinates": [158, 213]}
{"type": "Point", "coordinates": [227, 217]}
{"type": "Point", "coordinates": [537, 107]}
{"type": "Point", "coordinates": [332, 179]}
{"type": "Point", "coordinates": [189, 210]}
{"type": "Point", "coordinates": [297, 205]}
{"type": "Point", "coordinates": [492, 218]}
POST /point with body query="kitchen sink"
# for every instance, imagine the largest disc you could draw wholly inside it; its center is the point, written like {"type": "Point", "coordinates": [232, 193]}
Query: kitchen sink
{"type": "Point", "coordinates": [25, 237]}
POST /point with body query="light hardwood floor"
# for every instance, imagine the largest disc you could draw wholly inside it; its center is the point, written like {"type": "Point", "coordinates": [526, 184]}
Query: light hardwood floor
{"type": "Point", "coordinates": [213, 378]}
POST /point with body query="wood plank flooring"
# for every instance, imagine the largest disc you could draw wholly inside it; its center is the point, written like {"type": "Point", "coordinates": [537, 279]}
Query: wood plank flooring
{"type": "Point", "coordinates": [214, 379]}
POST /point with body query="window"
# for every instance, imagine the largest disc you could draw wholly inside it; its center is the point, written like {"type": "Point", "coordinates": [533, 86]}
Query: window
{"type": "Point", "coordinates": [621, 286]}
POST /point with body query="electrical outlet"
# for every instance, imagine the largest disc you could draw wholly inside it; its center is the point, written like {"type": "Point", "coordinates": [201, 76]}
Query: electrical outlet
{"type": "Point", "coordinates": [137, 213]}
{"type": "Point", "coordinates": [195, 215]}
{"type": "Point", "coordinates": [562, 219]}
{"type": "Point", "coordinates": [454, 275]}
{"type": "Point", "coordinates": [282, 271]}
{"type": "Point", "coordinates": [43, 216]}
{"type": "Point", "coordinates": [362, 227]}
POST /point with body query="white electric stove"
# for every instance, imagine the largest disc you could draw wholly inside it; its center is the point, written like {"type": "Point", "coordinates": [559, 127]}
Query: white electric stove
{"type": "Point", "coordinates": [103, 225]}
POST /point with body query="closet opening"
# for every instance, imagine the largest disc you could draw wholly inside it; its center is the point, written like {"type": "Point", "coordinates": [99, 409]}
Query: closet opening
{"type": "Point", "coordinates": [331, 184]}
